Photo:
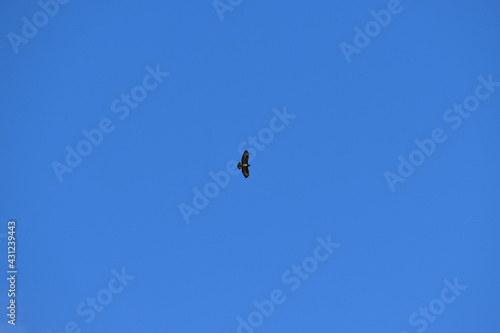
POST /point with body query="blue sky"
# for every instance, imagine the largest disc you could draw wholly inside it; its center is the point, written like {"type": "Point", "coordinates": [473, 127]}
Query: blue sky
{"type": "Point", "coordinates": [372, 201]}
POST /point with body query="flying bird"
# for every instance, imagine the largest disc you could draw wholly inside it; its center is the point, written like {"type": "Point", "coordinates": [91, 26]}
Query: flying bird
{"type": "Point", "coordinates": [244, 164]}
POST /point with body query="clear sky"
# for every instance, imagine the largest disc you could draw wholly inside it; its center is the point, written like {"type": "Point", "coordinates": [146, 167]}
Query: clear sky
{"type": "Point", "coordinates": [372, 201]}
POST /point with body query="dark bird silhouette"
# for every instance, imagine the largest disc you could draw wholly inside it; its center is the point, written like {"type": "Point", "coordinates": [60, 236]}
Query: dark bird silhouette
{"type": "Point", "coordinates": [244, 164]}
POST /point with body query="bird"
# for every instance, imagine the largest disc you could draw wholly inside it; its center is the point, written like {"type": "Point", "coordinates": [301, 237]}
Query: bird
{"type": "Point", "coordinates": [244, 164]}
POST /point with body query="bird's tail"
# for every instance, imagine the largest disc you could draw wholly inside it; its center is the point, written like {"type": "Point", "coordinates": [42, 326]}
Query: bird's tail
{"type": "Point", "coordinates": [239, 166]}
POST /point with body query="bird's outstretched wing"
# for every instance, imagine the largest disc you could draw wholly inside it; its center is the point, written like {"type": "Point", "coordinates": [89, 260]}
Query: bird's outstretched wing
{"type": "Point", "coordinates": [244, 158]}
{"type": "Point", "coordinates": [245, 171]}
